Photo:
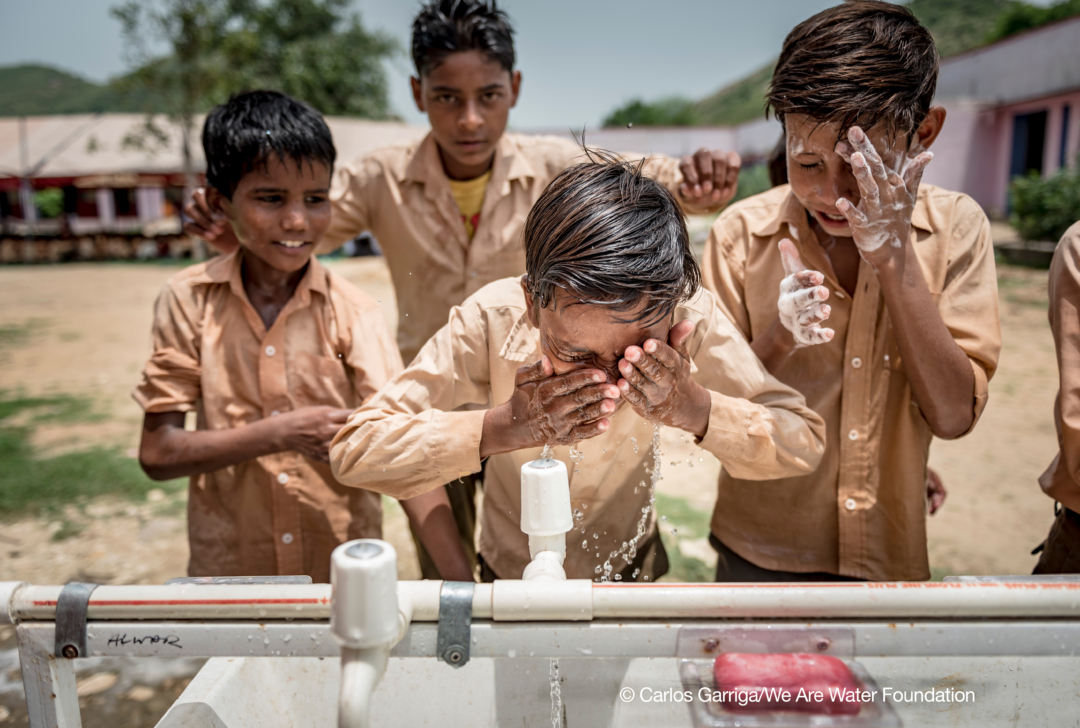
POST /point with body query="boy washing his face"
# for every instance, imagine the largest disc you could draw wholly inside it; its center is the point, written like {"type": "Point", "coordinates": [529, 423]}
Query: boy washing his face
{"type": "Point", "coordinates": [904, 276]}
{"type": "Point", "coordinates": [606, 335]}
{"type": "Point", "coordinates": [448, 211]}
{"type": "Point", "coordinates": [273, 352]}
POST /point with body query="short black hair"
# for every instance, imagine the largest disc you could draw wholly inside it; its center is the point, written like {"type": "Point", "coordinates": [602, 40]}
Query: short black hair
{"type": "Point", "coordinates": [238, 136]}
{"type": "Point", "coordinates": [443, 27]}
{"type": "Point", "coordinates": [610, 236]}
{"type": "Point", "coordinates": [861, 63]}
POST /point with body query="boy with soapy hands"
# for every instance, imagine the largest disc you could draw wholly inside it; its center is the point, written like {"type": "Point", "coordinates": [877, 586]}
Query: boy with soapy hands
{"type": "Point", "coordinates": [903, 273]}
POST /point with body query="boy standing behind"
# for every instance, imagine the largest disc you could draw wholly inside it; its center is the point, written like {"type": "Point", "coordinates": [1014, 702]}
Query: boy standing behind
{"type": "Point", "coordinates": [273, 352]}
{"type": "Point", "coordinates": [448, 211]}
{"type": "Point", "coordinates": [909, 275]}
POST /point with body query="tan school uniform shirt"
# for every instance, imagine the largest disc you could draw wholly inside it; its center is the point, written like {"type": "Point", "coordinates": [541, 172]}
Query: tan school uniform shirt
{"type": "Point", "coordinates": [863, 512]}
{"type": "Point", "coordinates": [415, 431]}
{"type": "Point", "coordinates": [1061, 481]}
{"type": "Point", "coordinates": [401, 194]}
{"type": "Point", "coordinates": [330, 345]}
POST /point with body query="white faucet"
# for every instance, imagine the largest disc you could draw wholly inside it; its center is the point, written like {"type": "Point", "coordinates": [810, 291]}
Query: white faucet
{"type": "Point", "coordinates": [367, 621]}
{"type": "Point", "coordinates": [545, 517]}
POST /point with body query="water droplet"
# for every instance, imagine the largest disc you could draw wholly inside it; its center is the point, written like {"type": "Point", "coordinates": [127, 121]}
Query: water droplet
{"type": "Point", "coordinates": [663, 518]}
{"type": "Point", "coordinates": [585, 544]}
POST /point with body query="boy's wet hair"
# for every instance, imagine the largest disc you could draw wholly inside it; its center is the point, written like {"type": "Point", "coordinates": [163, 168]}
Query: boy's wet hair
{"type": "Point", "coordinates": [443, 27]}
{"type": "Point", "coordinates": [609, 236]}
{"type": "Point", "coordinates": [239, 135]}
{"type": "Point", "coordinates": [861, 63]}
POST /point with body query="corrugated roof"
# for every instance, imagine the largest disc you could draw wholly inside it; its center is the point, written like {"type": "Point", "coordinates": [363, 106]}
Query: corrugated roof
{"type": "Point", "coordinates": [94, 144]}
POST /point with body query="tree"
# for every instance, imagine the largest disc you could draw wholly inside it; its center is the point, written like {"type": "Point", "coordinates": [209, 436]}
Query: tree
{"type": "Point", "coordinates": [672, 111]}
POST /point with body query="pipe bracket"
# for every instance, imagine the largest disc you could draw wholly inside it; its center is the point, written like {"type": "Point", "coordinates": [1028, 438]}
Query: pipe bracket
{"type": "Point", "coordinates": [455, 622]}
{"type": "Point", "coordinates": [71, 619]}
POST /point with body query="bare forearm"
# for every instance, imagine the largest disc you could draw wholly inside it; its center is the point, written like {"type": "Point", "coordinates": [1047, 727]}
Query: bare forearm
{"type": "Point", "coordinates": [433, 520]}
{"type": "Point", "coordinates": [172, 452]}
{"type": "Point", "coordinates": [501, 433]}
{"type": "Point", "coordinates": [938, 369]}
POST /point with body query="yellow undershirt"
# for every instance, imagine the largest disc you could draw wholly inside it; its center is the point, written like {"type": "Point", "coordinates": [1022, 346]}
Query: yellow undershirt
{"type": "Point", "coordinates": [469, 195]}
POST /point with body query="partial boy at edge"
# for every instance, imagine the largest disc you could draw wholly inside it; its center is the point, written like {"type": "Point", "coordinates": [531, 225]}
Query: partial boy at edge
{"type": "Point", "coordinates": [908, 272]}
{"type": "Point", "coordinates": [273, 351]}
{"type": "Point", "coordinates": [1060, 553]}
{"type": "Point", "coordinates": [607, 335]}
{"type": "Point", "coordinates": [448, 211]}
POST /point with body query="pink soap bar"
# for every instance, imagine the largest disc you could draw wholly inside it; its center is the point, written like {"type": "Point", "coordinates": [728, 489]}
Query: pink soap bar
{"type": "Point", "coordinates": [796, 681]}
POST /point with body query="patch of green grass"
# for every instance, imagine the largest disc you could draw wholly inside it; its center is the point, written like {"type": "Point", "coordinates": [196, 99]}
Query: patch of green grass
{"type": "Point", "coordinates": [12, 335]}
{"type": "Point", "coordinates": [67, 530]}
{"type": "Point", "coordinates": [688, 522]}
{"type": "Point", "coordinates": [29, 484]}
{"type": "Point", "coordinates": [684, 568]}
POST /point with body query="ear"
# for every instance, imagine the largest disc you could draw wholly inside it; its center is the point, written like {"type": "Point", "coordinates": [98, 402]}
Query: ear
{"type": "Point", "coordinates": [530, 309]}
{"type": "Point", "coordinates": [515, 87]}
{"type": "Point", "coordinates": [217, 202]}
{"type": "Point", "coordinates": [417, 93]}
{"type": "Point", "coordinates": [928, 130]}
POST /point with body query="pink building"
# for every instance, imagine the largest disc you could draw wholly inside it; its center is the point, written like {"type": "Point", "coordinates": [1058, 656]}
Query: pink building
{"type": "Point", "coordinates": [1013, 107]}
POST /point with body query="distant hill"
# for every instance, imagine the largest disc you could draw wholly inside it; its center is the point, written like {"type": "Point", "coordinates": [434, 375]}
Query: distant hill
{"type": "Point", "coordinates": [957, 26]}
{"type": "Point", "coordinates": [33, 90]}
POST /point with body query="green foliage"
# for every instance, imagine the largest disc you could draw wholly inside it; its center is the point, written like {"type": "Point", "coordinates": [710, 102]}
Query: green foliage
{"type": "Point", "coordinates": [30, 484]}
{"type": "Point", "coordinates": [1021, 16]}
{"type": "Point", "coordinates": [740, 102]}
{"type": "Point", "coordinates": [680, 515]}
{"type": "Point", "coordinates": [50, 201]}
{"type": "Point", "coordinates": [958, 25]}
{"type": "Point", "coordinates": [753, 180]}
{"type": "Point", "coordinates": [1043, 209]}
{"type": "Point", "coordinates": [671, 111]}
{"type": "Point", "coordinates": [36, 90]}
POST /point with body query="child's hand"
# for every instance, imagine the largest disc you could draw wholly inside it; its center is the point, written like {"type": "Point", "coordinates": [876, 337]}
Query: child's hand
{"type": "Point", "coordinates": [209, 225]}
{"type": "Point", "coordinates": [657, 383]}
{"type": "Point", "coordinates": [309, 430]}
{"type": "Point", "coordinates": [882, 220]}
{"type": "Point", "coordinates": [801, 299]}
{"type": "Point", "coordinates": [935, 492]}
{"type": "Point", "coordinates": [710, 177]}
{"type": "Point", "coordinates": [549, 409]}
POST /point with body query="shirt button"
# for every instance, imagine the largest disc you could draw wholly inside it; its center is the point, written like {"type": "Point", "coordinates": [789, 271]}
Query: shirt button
{"type": "Point", "coordinates": [853, 435]}
{"type": "Point", "coordinates": [270, 351]}
{"type": "Point", "coordinates": [856, 362]}
{"type": "Point", "coordinates": [282, 478]}
{"type": "Point", "coordinates": [849, 504]}
{"type": "Point", "coordinates": [473, 274]}
{"type": "Point", "coordinates": [275, 413]}
{"type": "Point", "coordinates": [838, 294]}
{"type": "Point", "coordinates": [286, 538]}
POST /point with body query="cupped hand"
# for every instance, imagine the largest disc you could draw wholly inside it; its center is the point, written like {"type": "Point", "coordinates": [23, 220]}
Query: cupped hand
{"type": "Point", "coordinates": [309, 430]}
{"type": "Point", "coordinates": [560, 409]}
{"type": "Point", "coordinates": [203, 222]}
{"type": "Point", "coordinates": [656, 382]}
{"type": "Point", "coordinates": [710, 177]}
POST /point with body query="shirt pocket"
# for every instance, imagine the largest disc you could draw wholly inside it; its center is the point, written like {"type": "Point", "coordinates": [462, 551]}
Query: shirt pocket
{"type": "Point", "coordinates": [321, 380]}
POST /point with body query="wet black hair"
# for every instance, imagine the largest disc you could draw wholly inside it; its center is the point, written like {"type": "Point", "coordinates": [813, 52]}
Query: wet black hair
{"type": "Point", "coordinates": [610, 236]}
{"type": "Point", "coordinates": [238, 136]}
{"type": "Point", "coordinates": [443, 27]}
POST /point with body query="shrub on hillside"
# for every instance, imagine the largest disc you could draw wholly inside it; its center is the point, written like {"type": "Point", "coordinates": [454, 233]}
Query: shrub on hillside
{"type": "Point", "coordinates": [1043, 209]}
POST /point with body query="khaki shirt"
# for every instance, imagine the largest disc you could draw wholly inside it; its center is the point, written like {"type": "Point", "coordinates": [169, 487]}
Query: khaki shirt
{"type": "Point", "coordinates": [281, 513]}
{"type": "Point", "coordinates": [402, 196]}
{"type": "Point", "coordinates": [1061, 481]}
{"type": "Point", "coordinates": [414, 433]}
{"type": "Point", "coordinates": [863, 512]}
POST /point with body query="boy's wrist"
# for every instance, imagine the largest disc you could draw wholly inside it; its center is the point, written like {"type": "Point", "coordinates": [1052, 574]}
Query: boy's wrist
{"type": "Point", "coordinates": [501, 433]}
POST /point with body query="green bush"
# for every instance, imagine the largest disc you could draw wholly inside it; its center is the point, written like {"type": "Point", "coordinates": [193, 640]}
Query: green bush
{"type": "Point", "coordinates": [672, 111]}
{"type": "Point", "coordinates": [50, 201]}
{"type": "Point", "coordinates": [1043, 209]}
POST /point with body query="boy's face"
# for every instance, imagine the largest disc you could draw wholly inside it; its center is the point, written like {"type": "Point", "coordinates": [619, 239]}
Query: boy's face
{"type": "Point", "coordinates": [819, 174]}
{"type": "Point", "coordinates": [279, 211]}
{"type": "Point", "coordinates": [467, 98]}
{"type": "Point", "coordinates": [581, 336]}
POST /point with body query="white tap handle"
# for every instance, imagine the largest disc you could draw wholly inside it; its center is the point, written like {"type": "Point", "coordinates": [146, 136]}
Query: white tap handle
{"type": "Point", "coordinates": [364, 602]}
{"type": "Point", "coordinates": [545, 498]}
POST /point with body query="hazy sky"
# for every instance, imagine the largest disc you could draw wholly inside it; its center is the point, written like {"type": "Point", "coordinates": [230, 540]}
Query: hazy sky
{"type": "Point", "coordinates": [579, 58]}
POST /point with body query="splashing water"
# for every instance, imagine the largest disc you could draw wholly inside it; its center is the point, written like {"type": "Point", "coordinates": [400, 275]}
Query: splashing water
{"type": "Point", "coordinates": [556, 695]}
{"type": "Point", "coordinates": [548, 453]}
{"type": "Point", "coordinates": [576, 455]}
{"type": "Point", "coordinates": [628, 550]}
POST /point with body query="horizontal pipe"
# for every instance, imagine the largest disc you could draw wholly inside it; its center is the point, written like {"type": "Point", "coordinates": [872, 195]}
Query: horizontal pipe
{"type": "Point", "coordinates": [609, 601]}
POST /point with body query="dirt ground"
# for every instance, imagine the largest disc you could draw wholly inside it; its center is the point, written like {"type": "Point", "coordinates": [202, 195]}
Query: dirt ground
{"type": "Point", "coordinates": [87, 333]}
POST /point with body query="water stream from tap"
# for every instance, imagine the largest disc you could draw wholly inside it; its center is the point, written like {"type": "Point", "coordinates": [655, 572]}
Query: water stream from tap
{"type": "Point", "coordinates": [556, 694]}
{"type": "Point", "coordinates": [628, 550]}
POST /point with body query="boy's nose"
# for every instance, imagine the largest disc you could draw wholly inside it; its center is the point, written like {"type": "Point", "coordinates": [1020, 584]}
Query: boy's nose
{"type": "Point", "coordinates": [295, 220]}
{"type": "Point", "coordinates": [470, 119]}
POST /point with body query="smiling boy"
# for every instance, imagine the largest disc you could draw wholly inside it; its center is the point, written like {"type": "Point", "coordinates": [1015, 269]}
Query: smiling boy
{"type": "Point", "coordinates": [273, 352]}
{"type": "Point", "coordinates": [606, 335]}
{"type": "Point", "coordinates": [908, 273]}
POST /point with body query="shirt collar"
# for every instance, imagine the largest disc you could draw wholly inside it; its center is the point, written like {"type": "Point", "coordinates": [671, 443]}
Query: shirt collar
{"type": "Point", "coordinates": [793, 214]}
{"type": "Point", "coordinates": [426, 167]}
{"type": "Point", "coordinates": [226, 269]}
{"type": "Point", "coordinates": [523, 342]}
